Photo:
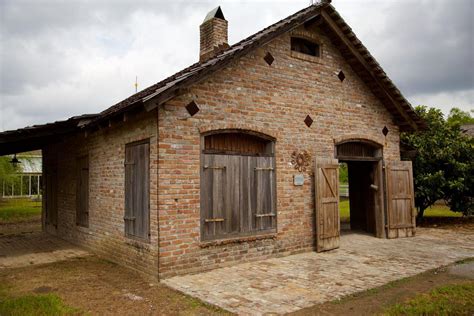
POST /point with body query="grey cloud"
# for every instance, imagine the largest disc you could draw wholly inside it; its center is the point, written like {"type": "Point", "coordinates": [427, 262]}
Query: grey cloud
{"type": "Point", "coordinates": [64, 58]}
{"type": "Point", "coordinates": [427, 46]}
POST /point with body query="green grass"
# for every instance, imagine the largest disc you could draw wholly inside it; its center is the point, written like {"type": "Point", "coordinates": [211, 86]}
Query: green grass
{"type": "Point", "coordinates": [17, 210]}
{"type": "Point", "coordinates": [445, 300]}
{"type": "Point", "coordinates": [436, 210]}
{"type": "Point", "coordinates": [344, 212]}
{"type": "Point", "coordinates": [47, 304]}
{"type": "Point", "coordinates": [44, 304]}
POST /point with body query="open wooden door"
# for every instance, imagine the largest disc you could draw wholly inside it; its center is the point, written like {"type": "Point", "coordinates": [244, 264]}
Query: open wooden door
{"type": "Point", "coordinates": [401, 221]}
{"type": "Point", "coordinates": [326, 177]}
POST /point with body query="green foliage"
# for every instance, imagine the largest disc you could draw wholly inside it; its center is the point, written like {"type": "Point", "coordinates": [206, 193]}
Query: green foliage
{"type": "Point", "coordinates": [459, 117]}
{"type": "Point", "coordinates": [7, 170]}
{"type": "Point", "coordinates": [48, 304]}
{"type": "Point", "coordinates": [343, 173]}
{"type": "Point", "coordinates": [443, 167]}
{"type": "Point", "coordinates": [18, 210]}
{"type": "Point", "coordinates": [446, 300]}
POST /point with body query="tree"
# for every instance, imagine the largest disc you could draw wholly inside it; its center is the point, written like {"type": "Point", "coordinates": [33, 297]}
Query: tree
{"type": "Point", "coordinates": [7, 170]}
{"type": "Point", "coordinates": [458, 117]}
{"type": "Point", "coordinates": [459, 192]}
{"type": "Point", "coordinates": [443, 167]}
{"type": "Point", "coordinates": [343, 173]}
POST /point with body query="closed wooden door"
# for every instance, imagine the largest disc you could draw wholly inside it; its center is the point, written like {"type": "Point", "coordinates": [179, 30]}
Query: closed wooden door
{"type": "Point", "coordinates": [401, 213]}
{"type": "Point", "coordinates": [137, 190]}
{"type": "Point", "coordinates": [326, 176]}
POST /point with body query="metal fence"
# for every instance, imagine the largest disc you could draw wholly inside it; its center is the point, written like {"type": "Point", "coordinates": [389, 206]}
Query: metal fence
{"type": "Point", "coordinates": [343, 190]}
{"type": "Point", "coordinates": [23, 185]}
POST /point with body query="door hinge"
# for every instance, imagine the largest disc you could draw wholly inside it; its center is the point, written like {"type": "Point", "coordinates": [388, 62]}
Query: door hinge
{"type": "Point", "coordinates": [214, 167]}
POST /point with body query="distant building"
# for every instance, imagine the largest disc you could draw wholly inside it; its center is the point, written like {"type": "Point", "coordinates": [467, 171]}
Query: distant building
{"type": "Point", "coordinates": [468, 129]}
{"type": "Point", "coordinates": [27, 183]}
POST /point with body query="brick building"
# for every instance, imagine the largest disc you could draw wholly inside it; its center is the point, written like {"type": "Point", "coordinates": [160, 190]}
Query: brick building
{"type": "Point", "coordinates": [234, 158]}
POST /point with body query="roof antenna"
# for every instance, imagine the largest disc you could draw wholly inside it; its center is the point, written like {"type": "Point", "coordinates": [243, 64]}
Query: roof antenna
{"type": "Point", "coordinates": [136, 84]}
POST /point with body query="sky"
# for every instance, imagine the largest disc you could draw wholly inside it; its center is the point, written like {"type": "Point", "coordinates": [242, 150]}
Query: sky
{"type": "Point", "coordinates": [64, 58]}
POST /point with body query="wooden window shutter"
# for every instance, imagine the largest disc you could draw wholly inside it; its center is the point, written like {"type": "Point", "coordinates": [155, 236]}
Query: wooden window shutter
{"type": "Point", "coordinates": [264, 209]}
{"type": "Point", "coordinates": [247, 196]}
{"type": "Point", "coordinates": [82, 192]}
{"type": "Point", "coordinates": [137, 193]}
{"type": "Point", "coordinates": [213, 195]}
{"type": "Point", "coordinates": [238, 186]}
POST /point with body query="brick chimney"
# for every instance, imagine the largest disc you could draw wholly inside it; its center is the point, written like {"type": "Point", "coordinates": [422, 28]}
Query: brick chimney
{"type": "Point", "coordinates": [213, 33]}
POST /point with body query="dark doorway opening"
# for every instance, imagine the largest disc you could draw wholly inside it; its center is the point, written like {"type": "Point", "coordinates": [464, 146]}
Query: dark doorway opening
{"type": "Point", "coordinates": [363, 161]}
{"type": "Point", "coordinates": [362, 197]}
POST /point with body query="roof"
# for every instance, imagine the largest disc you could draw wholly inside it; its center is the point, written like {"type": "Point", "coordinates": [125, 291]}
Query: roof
{"type": "Point", "coordinates": [404, 113]}
{"type": "Point", "coordinates": [36, 136]}
{"type": "Point", "coordinates": [200, 70]}
{"type": "Point", "coordinates": [340, 33]}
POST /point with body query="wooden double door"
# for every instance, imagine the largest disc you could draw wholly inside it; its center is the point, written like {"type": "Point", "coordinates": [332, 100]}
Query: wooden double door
{"type": "Point", "coordinates": [383, 197]}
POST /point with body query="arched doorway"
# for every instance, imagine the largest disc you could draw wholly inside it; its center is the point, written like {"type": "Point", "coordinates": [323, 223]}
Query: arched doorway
{"type": "Point", "coordinates": [364, 163]}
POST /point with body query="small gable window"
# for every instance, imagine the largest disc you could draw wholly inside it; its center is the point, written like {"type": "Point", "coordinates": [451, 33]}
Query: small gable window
{"type": "Point", "coordinates": [305, 46]}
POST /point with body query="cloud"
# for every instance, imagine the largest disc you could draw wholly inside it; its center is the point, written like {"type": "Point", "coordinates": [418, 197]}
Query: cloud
{"type": "Point", "coordinates": [425, 46]}
{"type": "Point", "coordinates": [446, 100]}
{"type": "Point", "coordinates": [59, 59]}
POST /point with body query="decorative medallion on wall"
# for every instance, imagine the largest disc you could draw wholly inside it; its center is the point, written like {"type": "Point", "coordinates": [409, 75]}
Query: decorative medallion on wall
{"type": "Point", "coordinates": [300, 160]}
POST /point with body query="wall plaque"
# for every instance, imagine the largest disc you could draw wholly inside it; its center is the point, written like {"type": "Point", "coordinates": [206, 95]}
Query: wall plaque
{"type": "Point", "coordinates": [298, 179]}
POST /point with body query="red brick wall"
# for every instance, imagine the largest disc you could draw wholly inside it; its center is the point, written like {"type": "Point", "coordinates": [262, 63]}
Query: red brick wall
{"type": "Point", "coordinates": [106, 150]}
{"type": "Point", "coordinates": [275, 100]}
{"type": "Point", "coordinates": [247, 94]}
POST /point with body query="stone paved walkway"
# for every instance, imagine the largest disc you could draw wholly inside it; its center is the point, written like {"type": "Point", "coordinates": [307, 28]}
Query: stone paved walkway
{"type": "Point", "coordinates": [290, 283]}
{"type": "Point", "coordinates": [27, 249]}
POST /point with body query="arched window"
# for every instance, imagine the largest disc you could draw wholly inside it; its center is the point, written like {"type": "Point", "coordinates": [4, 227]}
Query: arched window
{"type": "Point", "coordinates": [358, 150]}
{"type": "Point", "coordinates": [238, 187]}
{"type": "Point", "coordinates": [238, 143]}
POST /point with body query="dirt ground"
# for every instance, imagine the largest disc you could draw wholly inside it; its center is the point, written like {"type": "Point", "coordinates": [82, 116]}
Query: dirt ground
{"type": "Point", "coordinates": [452, 223]}
{"type": "Point", "coordinates": [375, 301]}
{"type": "Point", "coordinates": [24, 227]}
{"type": "Point", "coordinates": [93, 285]}
{"type": "Point", "coordinates": [98, 287]}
